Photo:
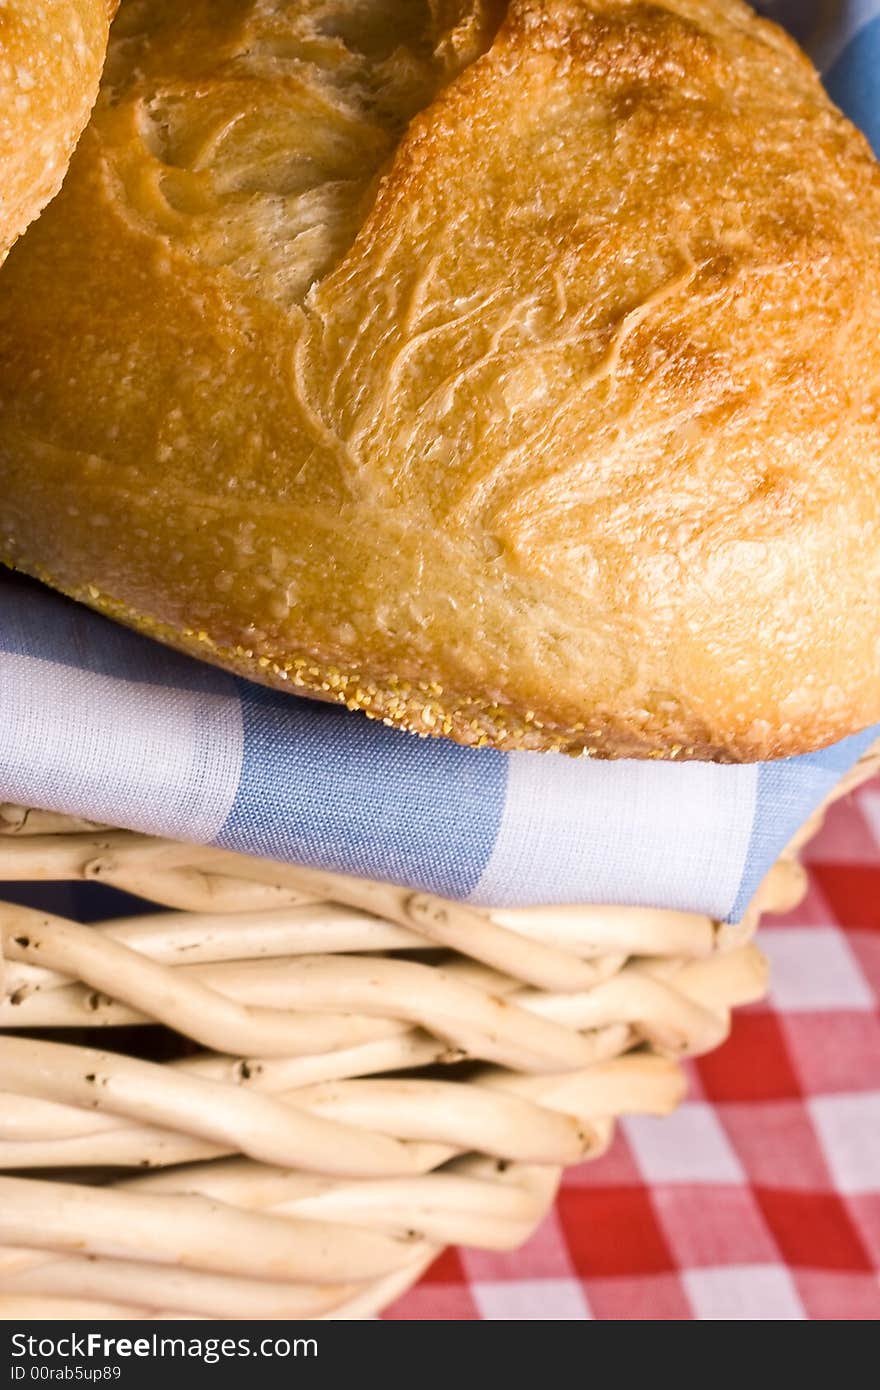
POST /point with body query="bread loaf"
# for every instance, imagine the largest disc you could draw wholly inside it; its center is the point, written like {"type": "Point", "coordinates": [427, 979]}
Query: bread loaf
{"type": "Point", "coordinates": [51, 53]}
{"type": "Point", "coordinates": [507, 371]}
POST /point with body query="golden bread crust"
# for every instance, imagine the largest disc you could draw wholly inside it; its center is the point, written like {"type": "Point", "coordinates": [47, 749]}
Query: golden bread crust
{"type": "Point", "coordinates": [51, 54]}
{"type": "Point", "coordinates": [509, 372]}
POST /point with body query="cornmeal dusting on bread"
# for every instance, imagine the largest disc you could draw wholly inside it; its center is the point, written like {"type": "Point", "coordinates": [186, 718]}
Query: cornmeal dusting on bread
{"type": "Point", "coordinates": [510, 372]}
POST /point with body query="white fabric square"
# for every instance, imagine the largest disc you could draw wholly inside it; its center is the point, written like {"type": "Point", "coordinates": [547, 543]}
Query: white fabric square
{"type": "Point", "coordinates": [623, 832]}
{"type": "Point", "coordinates": [743, 1293]}
{"type": "Point", "coordinates": [689, 1145]}
{"type": "Point", "coordinates": [849, 1129]}
{"type": "Point", "coordinates": [531, 1300]}
{"type": "Point", "coordinates": [168, 763]}
{"type": "Point", "coordinates": [812, 968]}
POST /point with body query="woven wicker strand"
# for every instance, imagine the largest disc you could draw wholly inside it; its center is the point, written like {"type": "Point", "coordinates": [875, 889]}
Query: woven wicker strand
{"type": "Point", "coordinates": [361, 1075]}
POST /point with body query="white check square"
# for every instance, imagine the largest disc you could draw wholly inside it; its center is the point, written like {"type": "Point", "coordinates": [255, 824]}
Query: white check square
{"type": "Point", "coordinates": [532, 1300]}
{"type": "Point", "coordinates": [812, 968]}
{"type": "Point", "coordinates": [848, 1127]}
{"type": "Point", "coordinates": [744, 1293]}
{"type": "Point", "coordinates": [689, 1145]}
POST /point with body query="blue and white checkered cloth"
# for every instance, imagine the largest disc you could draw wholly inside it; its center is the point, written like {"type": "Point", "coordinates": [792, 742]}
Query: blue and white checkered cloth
{"type": "Point", "coordinates": [100, 723]}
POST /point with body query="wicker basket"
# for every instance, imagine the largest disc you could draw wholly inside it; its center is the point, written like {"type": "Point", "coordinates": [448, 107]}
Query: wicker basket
{"type": "Point", "coordinates": [347, 1077]}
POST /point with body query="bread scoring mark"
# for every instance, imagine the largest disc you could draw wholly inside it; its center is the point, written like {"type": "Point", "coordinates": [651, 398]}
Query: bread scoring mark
{"type": "Point", "coordinates": [267, 165]}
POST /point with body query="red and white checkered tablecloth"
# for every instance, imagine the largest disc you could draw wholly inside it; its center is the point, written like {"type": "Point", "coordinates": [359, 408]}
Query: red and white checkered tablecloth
{"type": "Point", "coordinates": [760, 1197]}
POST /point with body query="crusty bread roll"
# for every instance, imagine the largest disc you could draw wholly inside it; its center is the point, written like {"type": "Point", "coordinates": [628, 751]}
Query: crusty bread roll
{"type": "Point", "coordinates": [51, 54]}
{"type": "Point", "coordinates": [510, 372]}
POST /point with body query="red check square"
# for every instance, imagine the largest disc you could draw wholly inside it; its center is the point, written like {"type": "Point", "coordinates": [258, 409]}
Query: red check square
{"type": "Point", "coordinates": [710, 1226]}
{"type": "Point", "coordinates": [813, 1229]}
{"type": "Point", "coordinates": [822, 1047]}
{"type": "Point", "coordinates": [777, 1145]}
{"type": "Point", "coordinates": [446, 1269]}
{"type": "Point", "coordinates": [613, 1231]}
{"type": "Point", "coordinates": [754, 1064]}
{"type": "Point", "coordinates": [434, 1302]}
{"type": "Point", "coordinates": [649, 1298]}
{"type": "Point", "coordinates": [838, 1297]}
{"type": "Point", "coordinates": [864, 1208]}
{"type": "Point", "coordinates": [852, 891]}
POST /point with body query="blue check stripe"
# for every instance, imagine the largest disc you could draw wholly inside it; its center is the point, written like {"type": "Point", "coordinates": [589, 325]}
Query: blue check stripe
{"type": "Point", "coordinates": [788, 793]}
{"type": "Point", "coordinates": [323, 787]}
{"type": "Point", "coordinates": [37, 624]}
